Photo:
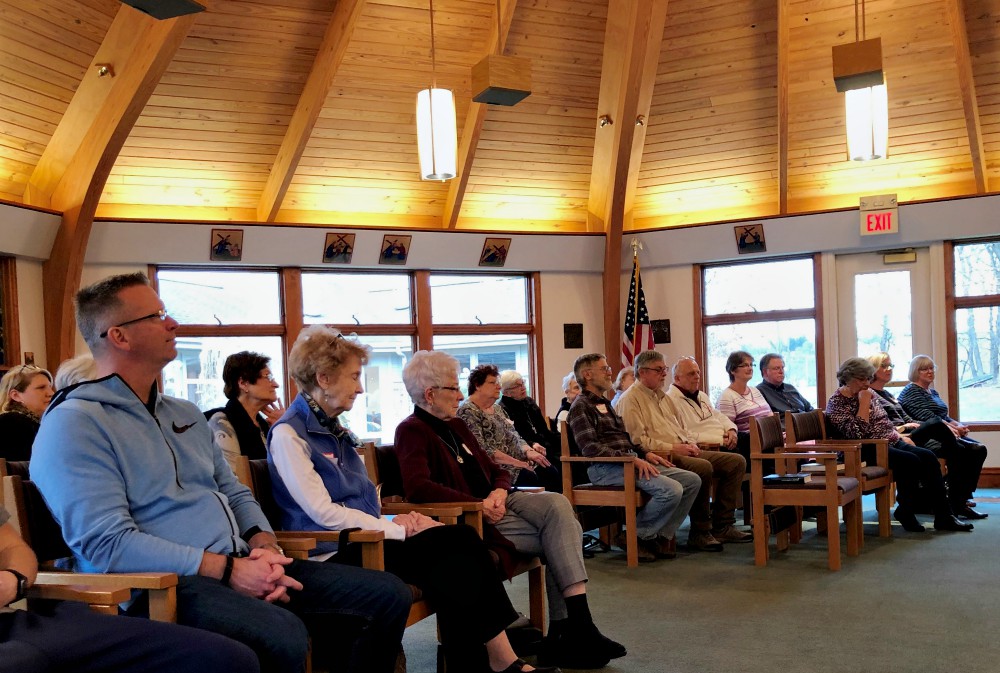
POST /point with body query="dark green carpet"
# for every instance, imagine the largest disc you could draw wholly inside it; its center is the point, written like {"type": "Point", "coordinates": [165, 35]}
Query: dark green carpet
{"type": "Point", "coordinates": [913, 603]}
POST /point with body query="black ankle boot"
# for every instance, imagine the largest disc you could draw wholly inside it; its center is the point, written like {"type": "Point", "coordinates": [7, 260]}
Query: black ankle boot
{"type": "Point", "coordinates": [909, 521]}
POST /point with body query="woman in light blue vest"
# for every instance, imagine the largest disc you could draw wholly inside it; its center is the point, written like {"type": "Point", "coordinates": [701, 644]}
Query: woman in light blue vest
{"type": "Point", "coordinates": [320, 483]}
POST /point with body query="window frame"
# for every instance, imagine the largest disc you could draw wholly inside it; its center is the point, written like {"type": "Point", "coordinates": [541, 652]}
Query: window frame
{"type": "Point", "coordinates": [953, 304]}
{"type": "Point", "coordinates": [703, 322]}
{"type": "Point", "coordinates": [420, 329]}
{"type": "Point", "coordinates": [11, 323]}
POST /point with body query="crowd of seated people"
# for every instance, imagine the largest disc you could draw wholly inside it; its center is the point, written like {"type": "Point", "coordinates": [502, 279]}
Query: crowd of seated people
{"type": "Point", "coordinates": [233, 574]}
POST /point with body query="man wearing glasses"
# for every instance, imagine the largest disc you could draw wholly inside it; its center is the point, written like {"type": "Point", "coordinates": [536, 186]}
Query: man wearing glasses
{"type": "Point", "coordinates": [780, 396]}
{"type": "Point", "coordinates": [136, 484]}
{"type": "Point", "coordinates": [598, 432]}
{"type": "Point", "coordinates": [652, 421]}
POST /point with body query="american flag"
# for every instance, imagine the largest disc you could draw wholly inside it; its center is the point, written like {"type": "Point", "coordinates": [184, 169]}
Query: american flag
{"type": "Point", "coordinates": [638, 333]}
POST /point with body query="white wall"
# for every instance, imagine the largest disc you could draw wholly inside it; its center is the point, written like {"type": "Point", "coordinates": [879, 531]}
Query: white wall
{"type": "Point", "coordinates": [568, 298]}
{"type": "Point", "coordinates": [31, 316]}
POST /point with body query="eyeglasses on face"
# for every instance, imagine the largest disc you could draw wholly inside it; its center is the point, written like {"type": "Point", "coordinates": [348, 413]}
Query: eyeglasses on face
{"type": "Point", "coordinates": [928, 369]}
{"type": "Point", "coordinates": [745, 365]}
{"type": "Point", "coordinates": [605, 368]}
{"type": "Point", "coordinates": [658, 370]}
{"type": "Point", "coordinates": [454, 389]}
{"type": "Point", "coordinates": [161, 315]}
{"type": "Point", "coordinates": [888, 366]}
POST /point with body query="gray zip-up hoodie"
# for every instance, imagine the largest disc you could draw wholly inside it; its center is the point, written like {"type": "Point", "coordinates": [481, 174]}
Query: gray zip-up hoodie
{"type": "Point", "coordinates": [137, 492]}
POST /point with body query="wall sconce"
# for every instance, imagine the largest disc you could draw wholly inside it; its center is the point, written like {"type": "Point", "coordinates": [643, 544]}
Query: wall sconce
{"type": "Point", "coordinates": [604, 120]}
{"type": "Point", "coordinates": [857, 72]}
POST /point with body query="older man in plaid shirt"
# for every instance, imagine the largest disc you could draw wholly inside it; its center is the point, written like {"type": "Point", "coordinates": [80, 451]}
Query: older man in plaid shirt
{"type": "Point", "coordinates": [598, 431]}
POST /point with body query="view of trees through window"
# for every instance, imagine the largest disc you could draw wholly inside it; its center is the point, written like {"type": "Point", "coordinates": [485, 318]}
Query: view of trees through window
{"type": "Point", "coordinates": [977, 330]}
{"type": "Point", "coordinates": [482, 319]}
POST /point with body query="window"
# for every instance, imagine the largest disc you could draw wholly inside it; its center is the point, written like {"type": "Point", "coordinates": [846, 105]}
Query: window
{"type": "Point", "coordinates": [478, 318]}
{"type": "Point", "coordinates": [975, 382]}
{"type": "Point", "coordinates": [761, 307]}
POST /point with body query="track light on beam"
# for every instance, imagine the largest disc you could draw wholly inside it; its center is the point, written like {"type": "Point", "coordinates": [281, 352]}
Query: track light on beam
{"type": "Point", "coordinates": [857, 72]}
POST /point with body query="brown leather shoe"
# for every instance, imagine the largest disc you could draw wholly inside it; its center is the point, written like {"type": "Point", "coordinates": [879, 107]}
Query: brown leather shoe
{"type": "Point", "coordinates": [642, 549]}
{"type": "Point", "coordinates": [662, 547]}
{"type": "Point", "coordinates": [732, 534]}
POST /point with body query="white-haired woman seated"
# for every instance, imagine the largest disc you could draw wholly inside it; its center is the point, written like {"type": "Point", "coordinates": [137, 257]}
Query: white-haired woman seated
{"type": "Point", "coordinates": [529, 421]}
{"type": "Point", "coordinates": [625, 378]}
{"type": "Point", "coordinates": [441, 461]}
{"type": "Point", "coordinates": [320, 483]}
{"type": "Point", "coordinates": [571, 389]}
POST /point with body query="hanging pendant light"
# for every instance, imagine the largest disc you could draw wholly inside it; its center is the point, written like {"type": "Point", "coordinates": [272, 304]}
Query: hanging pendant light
{"type": "Point", "coordinates": [437, 135]}
{"type": "Point", "coordinates": [857, 72]}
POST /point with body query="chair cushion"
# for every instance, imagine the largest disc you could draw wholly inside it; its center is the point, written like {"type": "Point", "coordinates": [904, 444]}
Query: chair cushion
{"type": "Point", "coordinates": [873, 471]}
{"type": "Point", "coordinates": [843, 483]}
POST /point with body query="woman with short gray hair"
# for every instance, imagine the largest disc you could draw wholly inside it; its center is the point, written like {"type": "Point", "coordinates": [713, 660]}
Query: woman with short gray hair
{"type": "Point", "coordinates": [854, 411]}
{"type": "Point", "coordinates": [441, 461]}
{"type": "Point", "coordinates": [571, 389]}
{"type": "Point", "coordinates": [529, 421]}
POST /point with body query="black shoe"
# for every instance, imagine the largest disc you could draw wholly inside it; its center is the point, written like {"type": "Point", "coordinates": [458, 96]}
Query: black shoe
{"type": "Point", "coordinates": [519, 665]}
{"type": "Point", "coordinates": [908, 520]}
{"type": "Point", "coordinates": [951, 523]}
{"type": "Point", "coordinates": [570, 652]}
{"type": "Point", "coordinates": [969, 513]}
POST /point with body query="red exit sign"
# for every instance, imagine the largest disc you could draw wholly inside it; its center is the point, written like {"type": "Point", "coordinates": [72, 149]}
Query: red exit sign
{"type": "Point", "coordinates": [879, 215]}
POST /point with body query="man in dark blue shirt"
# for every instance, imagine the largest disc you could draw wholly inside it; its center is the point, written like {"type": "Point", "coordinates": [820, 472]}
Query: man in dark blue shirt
{"type": "Point", "coordinates": [780, 396]}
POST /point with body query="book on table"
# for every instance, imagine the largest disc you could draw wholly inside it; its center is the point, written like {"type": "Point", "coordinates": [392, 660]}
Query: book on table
{"type": "Point", "coordinates": [793, 478]}
{"type": "Point", "coordinates": [820, 467]}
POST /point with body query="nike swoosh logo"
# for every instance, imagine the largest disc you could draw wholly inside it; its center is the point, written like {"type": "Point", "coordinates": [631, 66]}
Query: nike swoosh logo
{"type": "Point", "coordinates": [183, 428]}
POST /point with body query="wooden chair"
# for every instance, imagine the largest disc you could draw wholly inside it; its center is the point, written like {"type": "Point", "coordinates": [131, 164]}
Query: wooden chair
{"type": "Point", "coordinates": [828, 490]}
{"type": "Point", "coordinates": [32, 519]}
{"type": "Point", "coordinates": [383, 470]}
{"type": "Point", "coordinates": [627, 497]}
{"type": "Point", "coordinates": [810, 429]}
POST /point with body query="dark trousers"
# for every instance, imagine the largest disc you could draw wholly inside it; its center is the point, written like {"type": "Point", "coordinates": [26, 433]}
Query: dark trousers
{"type": "Point", "coordinates": [548, 478]}
{"type": "Point", "coordinates": [456, 572]}
{"type": "Point", "coordinates": [56, 636]}
{"type": "Point", "coordinates": [913, 467]}
{"type": "Point", "coordinates": [363, 611]}
{"type": "Point", "coordinates": [964, 456]}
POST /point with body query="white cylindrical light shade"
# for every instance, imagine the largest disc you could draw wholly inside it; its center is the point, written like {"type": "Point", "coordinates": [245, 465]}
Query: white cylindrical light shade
{"type": "Point", "coordinates": [437, 137]}
{"type": "Point", "coordinates": [867, 123]}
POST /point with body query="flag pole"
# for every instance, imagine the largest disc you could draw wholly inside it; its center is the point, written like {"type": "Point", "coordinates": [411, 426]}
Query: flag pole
{"type": "Point", "coordinates": [636, 247]}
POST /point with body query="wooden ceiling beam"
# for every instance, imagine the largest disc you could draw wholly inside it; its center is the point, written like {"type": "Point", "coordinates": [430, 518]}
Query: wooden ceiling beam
{"type": "Point", "coordinates": [75, 165]}
{"type": "Point", "coordinates": [632, 44]}
{"type": "Point", "coordinates": [310, 104]}
{"type": "Point", "coordinates": [967, 85]}
{"type": "Point", "coordinates": [473, 126]}
{"type": "Point", "coordinates": [783, 37]}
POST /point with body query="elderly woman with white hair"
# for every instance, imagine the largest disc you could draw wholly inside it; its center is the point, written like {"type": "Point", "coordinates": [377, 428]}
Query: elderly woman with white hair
{"type": "Point", "coordinates": [320, 483]}
{"type": "Point", "coordinates": [572, 390]}
{"type": "Point", "coordinates": [856, 414]}
{"type": "Point", "coordinates": [75, 370]}
{"type": "Point", "coordinates": [441, 461]}
{"type": "Point", "coordinates": [529, 421]}
{"type": "Point", "coordinates": [625, 378]}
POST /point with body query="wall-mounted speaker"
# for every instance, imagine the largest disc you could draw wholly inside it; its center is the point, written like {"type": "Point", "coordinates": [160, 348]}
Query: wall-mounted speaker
{"type": "Point", "coordinates": [165, 9]}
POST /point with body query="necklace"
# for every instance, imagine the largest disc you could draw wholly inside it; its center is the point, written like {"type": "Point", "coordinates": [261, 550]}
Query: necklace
{"type": "Point", "coordinates": [455, 450]}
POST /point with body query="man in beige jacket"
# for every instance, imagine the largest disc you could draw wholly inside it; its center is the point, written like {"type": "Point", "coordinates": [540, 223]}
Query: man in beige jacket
{"type": "Point", "coordinates": [653, 422]}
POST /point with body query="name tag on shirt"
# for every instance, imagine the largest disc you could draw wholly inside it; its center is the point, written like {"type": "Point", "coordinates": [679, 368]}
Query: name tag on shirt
{"type": "Point", "coordinates": [603, 408]}
{"type": "Point", "coordinates": [331, 457]}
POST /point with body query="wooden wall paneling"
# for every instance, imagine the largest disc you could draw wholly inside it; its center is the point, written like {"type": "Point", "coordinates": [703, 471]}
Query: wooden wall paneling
{"type": "Point", "coordinates": [967, 84]}
{"type": "Point", "coordinates": [473, 126]}
{"type": "Point", "coordinates": [328, 59]}
{"type": "Point", "coordinates": [140, 48]}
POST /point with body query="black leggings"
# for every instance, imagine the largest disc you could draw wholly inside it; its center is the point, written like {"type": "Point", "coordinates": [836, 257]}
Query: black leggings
{"type": "Point", "coordinates": [913, 466]}
{"type": "Point", "coordinates": [456, 572]}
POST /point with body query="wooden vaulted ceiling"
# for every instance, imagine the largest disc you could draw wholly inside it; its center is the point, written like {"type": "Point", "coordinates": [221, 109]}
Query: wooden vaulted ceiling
{"type": "Point", "coordinates": [302, 111]}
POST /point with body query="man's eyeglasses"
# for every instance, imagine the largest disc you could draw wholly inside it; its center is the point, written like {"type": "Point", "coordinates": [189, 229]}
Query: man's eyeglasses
{"type": "Point", "coordinates": [161, 314]}
{"type": "Point", "coordinates": [605, 368]}
{"type": "Point", "coordinates": [658, 370]}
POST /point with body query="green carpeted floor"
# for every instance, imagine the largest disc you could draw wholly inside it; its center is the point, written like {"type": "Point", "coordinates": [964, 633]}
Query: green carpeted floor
{"type": "Point", "coordinates": [913, 603]}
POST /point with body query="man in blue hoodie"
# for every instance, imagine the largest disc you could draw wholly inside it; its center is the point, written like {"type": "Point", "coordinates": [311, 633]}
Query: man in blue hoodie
{"type": "Point", "coordinates": [135, 483]}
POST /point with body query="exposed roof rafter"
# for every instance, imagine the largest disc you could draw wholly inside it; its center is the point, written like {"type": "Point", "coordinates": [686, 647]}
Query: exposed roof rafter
{"type": "Point", "coordinates": [328, 59]}
{"type": "Point", "coordinates": [74, 168]}
{"type": "Point", "coordinates": [783, 37]}
{"type": "Point", "coordinates": [473, 126]}
{"type": "Point", "coordinates": [967, 84]}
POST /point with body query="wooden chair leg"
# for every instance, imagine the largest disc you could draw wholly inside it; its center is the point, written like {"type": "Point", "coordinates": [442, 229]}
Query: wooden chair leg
{"type": "Point", "coordinates": [631, 539]}
{"type": "Point", "coordinates": [883, 500]}
{"type": "Point", "coordinates": [855, 534]}
{"type": "Point", "coordinates": [761, 533]}
{"type": "Point", "coordinates": [537, 598]}
{"type": "Point", "coordinates": [795, 533]}
{"type": "Point", "coordinates": [833, 536]}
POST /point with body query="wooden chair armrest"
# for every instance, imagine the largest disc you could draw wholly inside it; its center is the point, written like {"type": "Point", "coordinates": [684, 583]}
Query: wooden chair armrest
{"type": "Point", "coordinates": [434, 511]}
{"type": "Point", "coordinates": [805, 455]}
{"type": "Point", "coordinates": [844, 445]}
{"type": "Point", "coordinates": [709, 446]}
{"type": "Point", "coordinates": [599, 459]}
{"type": "Point", "coordinates": [332, 536]}
{"type": "Point", "coordinates": [80, 593]}
{"type": "Point", "coordinates": [108, 581]}
{"type": "Point", "coordinates": [295, 543]}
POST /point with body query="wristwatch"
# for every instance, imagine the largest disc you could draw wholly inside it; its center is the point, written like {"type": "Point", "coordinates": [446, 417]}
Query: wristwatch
{"type": "Point", "coordinates": [22, 584]}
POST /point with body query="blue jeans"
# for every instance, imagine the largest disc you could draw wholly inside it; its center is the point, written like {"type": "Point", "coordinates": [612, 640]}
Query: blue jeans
{"type": "Point", "coordinates": [671, 495]}
{"type": "Point", "coordinates": [372, 605]}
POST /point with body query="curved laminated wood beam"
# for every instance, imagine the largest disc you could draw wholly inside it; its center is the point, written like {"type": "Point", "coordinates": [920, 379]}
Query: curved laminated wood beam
{"type": "Point", "coordinates": [632, 42]}
{"type": "Point", "coordinates": [75, 166]}
{"type": "Point", "coordinates": [783, 37]}
{"type": "Point", "coordinates": [473, 126]}
{"type": "Point", "coordinates": [328, 59]}
{"type": "Point", "coordinates": [967, 85]}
